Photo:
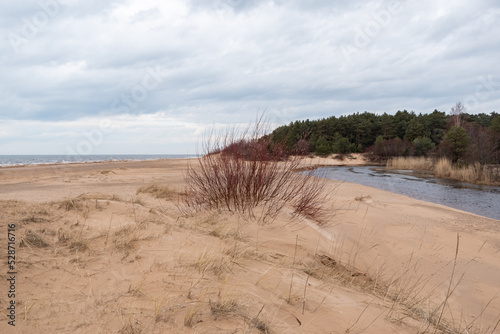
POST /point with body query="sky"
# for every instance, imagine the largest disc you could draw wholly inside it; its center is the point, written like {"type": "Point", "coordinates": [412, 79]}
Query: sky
{"type": "Point", "coordinates": [151, 77]}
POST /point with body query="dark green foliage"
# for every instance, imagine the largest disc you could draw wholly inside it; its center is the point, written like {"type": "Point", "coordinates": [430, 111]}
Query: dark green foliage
{"type": "Point", "coordinates": [385, 135]}
{"type": "Point", "coordinates": [495, 125]}
{"type": "Point", "coordinates": [342, 145]}
{"type": "Point", "coordinates": [401, 121]}
{"type": "Point", "coordinates": [458, 141]}
{"type": "Point", "coordinates": [495, 132]}
{"type": "Point", "coordinates": [436, 123]}
{"type": "Point", "coordinates": [483, 119]}
{"type": "Point", "coordinates": [323, 146]}
{"type": "Point", "coordinates": [423, 145]}
{"type": "Point", "coordinates": [416, 129]}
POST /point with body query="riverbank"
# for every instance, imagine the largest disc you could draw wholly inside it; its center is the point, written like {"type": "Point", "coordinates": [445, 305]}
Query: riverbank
{"type": "Point", "coordinates": [99, 252]}
{"type": "Point", "coordinates": [443, 168]}
{"type": "Point", "coordinates": [421, 185]}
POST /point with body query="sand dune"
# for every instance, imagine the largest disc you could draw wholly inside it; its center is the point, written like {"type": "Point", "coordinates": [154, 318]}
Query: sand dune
{"type": "Point", "coordinates": [101, 252]}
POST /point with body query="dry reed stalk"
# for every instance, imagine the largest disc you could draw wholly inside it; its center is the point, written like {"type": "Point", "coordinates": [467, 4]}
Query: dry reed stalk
{"type": "Point", "coordinates": [413, 163]}
{"type": "Point", "coordinates": [475, 173]}
{"type": "Point", "coordinates": [448, 293]}
{"type": "Point", "coordinates": [290, 291]}
{"type": "Point", "coordinates": [304, 299]}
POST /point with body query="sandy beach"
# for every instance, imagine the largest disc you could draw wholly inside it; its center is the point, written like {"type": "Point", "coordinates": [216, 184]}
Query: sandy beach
{"type": "Point", "coordinates": [107, 248]}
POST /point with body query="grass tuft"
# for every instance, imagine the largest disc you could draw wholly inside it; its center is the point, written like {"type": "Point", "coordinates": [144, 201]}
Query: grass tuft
{"type": "Point", "coordinates": [158, 191]}
{"type": "Point", "coordinates": [224, 306]}
{"type": "Point", "coordinates": [32, 240]}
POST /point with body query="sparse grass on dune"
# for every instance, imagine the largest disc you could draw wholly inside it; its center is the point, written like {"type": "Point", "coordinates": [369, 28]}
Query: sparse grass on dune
{"type": "Point", "coordinates": [158, 191]}
{"type": "Point", "coordinates": [140, 266]}
{"type": "Point", "coordinates": [232, 283]}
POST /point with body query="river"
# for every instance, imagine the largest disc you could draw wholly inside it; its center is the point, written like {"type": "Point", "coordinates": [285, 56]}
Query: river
{"type": "Point", "coordinates": [481, 200]}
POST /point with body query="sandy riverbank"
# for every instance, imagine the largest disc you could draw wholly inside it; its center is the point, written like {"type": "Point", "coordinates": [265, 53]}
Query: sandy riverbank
{"type": "Point", "coordinates": [98, 257]}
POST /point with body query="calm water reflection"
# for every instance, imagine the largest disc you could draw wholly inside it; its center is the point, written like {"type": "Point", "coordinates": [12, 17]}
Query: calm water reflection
{"type": "Point", "coordinates": [481, 200]}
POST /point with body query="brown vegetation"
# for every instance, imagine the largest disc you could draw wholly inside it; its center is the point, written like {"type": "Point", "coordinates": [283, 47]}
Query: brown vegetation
{"type": "Point", "coordinates": [414, 163]}
{"type": "Point", "coordinates": [444, 168]}
{"type": "Point", "coordinates": [476, 173]}
{"type": "Point", "coordinates": [158, 191]}
{"type": "Point", "coordinates": [245, 171]}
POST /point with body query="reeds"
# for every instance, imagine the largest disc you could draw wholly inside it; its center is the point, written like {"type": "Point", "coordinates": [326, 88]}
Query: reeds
{"type": "Point", "coordinates": [414, 163]}
{"type": "Point", "coordinates": [476, 173]}
{"type": "Point", "coordinates": [444, 168]}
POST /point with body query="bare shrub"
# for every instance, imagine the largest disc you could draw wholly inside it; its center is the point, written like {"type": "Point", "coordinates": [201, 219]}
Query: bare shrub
{"type": "Point", "coordinates": [245, 170]}
{"type": "Point", "coordinates": [384, 149]}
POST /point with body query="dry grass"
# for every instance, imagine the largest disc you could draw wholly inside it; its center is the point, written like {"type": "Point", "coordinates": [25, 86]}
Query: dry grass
{"type": "Point", "coordinates": [174, 282]}
{"type": "Point", "coordinates": [414, 163]}
{"type": "Point", "coordinates": [476, 173]}
{"type": "Point", "coordinates": [79, 204]}
{"type": "Point", "coordinates": [225, 305]}
{"type": "Point", "coordinates": [192, 315]}
{"type": "Point", "coordinates": [362, 198]}
{"type": "Point", "coordinates": [33, 240]}
{"type": "Point", "coordinates": [125, 239]}
{"type": "Point", "coordinates": [158, 191]}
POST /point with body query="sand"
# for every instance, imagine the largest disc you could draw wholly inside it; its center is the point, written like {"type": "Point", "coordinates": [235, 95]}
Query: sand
{"type": "Point", "coordinates": [94, 255]}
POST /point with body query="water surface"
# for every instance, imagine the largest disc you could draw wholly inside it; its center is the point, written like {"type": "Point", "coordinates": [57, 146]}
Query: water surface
{"type": "Point", "coordinates": [481, 200]}
{"type": "Point", "coordinates": [17, 160]}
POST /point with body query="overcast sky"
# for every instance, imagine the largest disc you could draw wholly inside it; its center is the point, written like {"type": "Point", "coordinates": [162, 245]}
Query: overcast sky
{"type": "Point", "coordinates": [152, 76]}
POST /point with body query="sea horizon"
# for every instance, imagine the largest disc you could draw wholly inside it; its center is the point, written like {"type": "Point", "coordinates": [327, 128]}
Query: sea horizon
{"type": "Point", "coordinates": [9, 160]}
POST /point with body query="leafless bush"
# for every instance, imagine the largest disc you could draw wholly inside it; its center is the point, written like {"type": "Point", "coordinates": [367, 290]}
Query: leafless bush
{"type": "Point", "coordinates": [246, 172]}
{"type": "Point", "coordinates": [385, 149]}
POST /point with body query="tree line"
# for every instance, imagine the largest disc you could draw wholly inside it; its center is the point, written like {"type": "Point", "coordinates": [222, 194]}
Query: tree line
{"type": "Point", "coordinates": [458, 135]}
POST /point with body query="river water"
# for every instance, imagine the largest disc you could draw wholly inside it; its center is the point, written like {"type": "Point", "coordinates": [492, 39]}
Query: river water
{"type": "Point", "coordinates": [481, 200]}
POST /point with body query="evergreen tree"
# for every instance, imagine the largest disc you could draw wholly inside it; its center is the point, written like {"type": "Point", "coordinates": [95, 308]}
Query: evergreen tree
{"type": "Point", "coordinates": [415, 129]}
{"type": "Point", "coordinates": [459, 142]}
{"type": "Point", "coordinates": [323, 146]}
{"type": "Point", "coordinates": [423, 145]}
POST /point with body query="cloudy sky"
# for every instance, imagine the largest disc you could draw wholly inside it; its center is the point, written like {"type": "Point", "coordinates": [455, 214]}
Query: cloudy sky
{"type": "Point", "coordinates": [152, 76]}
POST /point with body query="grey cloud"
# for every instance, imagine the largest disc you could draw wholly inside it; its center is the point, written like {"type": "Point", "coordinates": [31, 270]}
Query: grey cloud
{"type": "Point", "coordinates": [288, 57]}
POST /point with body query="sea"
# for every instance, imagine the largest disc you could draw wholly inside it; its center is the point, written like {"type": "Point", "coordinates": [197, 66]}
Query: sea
{"type": "Point", "coordinates": [21, 160]}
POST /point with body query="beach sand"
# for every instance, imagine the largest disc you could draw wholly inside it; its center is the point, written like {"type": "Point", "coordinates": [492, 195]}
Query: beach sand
{"type": "Point", "coordinates": [94, 255]}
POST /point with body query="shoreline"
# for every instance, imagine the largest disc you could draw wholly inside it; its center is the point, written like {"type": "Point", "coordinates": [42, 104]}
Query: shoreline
{"type": "Point", "coordinates": [128, 159]}
{"type": "Point", "coordinates": [307, 164]}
